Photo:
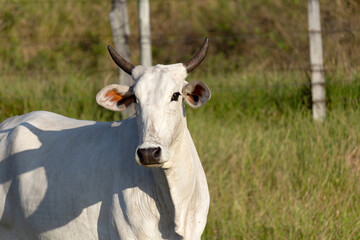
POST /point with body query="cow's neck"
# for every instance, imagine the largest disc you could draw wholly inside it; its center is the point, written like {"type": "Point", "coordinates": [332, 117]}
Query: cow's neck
{"type": "Point", "coordinates": [187, 187]}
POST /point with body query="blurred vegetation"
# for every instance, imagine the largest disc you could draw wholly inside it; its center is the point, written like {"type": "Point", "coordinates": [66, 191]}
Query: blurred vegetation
{"type": "Point", "coordinates": [272, 172]}
{"type": "Point", "coordinates": [259, 34]}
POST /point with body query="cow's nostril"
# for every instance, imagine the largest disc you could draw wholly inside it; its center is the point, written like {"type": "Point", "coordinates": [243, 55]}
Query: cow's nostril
{"type": "Point", "coordinates": [139, 154]}
{"type": "Point", "coordinates": [156, 153]}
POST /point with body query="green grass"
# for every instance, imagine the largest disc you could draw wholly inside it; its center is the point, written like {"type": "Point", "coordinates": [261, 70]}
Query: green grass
{"type": "Point", "coordinates": [288, 178]}
{"type": "Point", "coordinates": [50, 34]}
{"type": "Point", "coordinates": [272, 171]}
{"type": "Point", "coordinates": [71, 94]}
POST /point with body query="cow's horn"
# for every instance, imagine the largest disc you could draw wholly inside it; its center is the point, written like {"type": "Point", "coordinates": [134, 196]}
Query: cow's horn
{"type": "Point", "coordinates": [120, 61]}
{"type": "Point", "coordinates": [198, 58]}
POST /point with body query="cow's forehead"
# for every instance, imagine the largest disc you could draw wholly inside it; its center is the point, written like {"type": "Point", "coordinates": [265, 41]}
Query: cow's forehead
{"type": "Point", "coordinates": [164, 76]}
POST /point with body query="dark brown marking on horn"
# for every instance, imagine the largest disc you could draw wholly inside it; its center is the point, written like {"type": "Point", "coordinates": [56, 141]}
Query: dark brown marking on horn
{"type": "Point", "coordinates": [198, 58]}
{"type": "Point", "coordinates": [120, 61]}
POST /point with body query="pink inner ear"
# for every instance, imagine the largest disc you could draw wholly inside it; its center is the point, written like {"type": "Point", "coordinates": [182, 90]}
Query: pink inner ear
{"type": "Point", "coordinates": [190, 99]}
{"type": "Point", "coordinates": [197, 93]}
{"type": "Point", "coordinates": [113, 96]}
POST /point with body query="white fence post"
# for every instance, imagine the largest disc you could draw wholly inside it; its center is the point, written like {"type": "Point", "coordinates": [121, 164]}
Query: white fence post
{"type": "Point", "coordinates": [144, 29]}
{"type": "Point", "coordinates": [119, 22]}
{"type": "Point", "coordinates": [316, 59]}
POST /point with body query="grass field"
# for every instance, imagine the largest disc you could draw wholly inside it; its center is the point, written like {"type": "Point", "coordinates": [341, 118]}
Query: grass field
{"type": "Point", "coordinates": [273, 172]}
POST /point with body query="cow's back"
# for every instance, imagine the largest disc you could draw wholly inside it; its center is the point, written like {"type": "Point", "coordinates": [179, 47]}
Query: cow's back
{"type": "Point", "coordinates": [54, 167]}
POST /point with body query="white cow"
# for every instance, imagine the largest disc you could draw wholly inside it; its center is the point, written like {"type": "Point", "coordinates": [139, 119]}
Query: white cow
{"type": "Point", "coordinates": [63, 178]}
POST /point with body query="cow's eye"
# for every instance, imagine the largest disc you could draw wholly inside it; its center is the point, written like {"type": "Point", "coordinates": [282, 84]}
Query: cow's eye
{"type": "Point", "coordinates": [175, 96]}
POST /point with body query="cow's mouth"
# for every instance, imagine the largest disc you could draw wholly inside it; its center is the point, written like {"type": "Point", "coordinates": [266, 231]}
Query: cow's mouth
{"type": "Point", "coordinates": [155, 165]}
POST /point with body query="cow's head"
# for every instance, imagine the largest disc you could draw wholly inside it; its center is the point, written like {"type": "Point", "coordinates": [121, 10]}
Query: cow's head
{"type": "Point", "coordinates": [159, 93]}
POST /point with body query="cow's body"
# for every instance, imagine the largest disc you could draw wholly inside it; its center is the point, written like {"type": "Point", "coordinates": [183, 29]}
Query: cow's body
{"type": "Point", "coordinates": [140, 178]}
{"type": "Point", "coordinates": [53, 187]}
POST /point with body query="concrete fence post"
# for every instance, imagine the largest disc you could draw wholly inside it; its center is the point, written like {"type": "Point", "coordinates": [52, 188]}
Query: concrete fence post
{"type": "Point", "coordinates": [144, 30]}
{"type": "Point", "coordinates": [316, 61]}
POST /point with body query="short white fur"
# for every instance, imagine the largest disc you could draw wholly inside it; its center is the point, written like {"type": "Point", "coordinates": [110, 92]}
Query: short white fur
{"type": "Point", "coordinates": [91, 185]}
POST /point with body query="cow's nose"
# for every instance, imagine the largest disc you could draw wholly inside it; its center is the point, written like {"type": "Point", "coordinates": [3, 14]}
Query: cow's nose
{"type": "Point", "coordinates": [148, 156]}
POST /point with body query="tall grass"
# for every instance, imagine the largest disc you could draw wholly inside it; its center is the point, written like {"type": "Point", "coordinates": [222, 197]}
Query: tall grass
{"type": "Point", "coordinates": [273, 172]}
{"type": "Point", "coordinates": [258, 34]}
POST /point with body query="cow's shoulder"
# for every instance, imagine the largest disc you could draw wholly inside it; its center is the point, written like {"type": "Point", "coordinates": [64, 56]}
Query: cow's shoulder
{"type": "Point", "coordinates": [28, 131]}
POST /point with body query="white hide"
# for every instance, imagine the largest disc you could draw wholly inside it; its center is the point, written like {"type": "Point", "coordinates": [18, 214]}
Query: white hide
{"type": "Point", "coordinates": [63, 178]}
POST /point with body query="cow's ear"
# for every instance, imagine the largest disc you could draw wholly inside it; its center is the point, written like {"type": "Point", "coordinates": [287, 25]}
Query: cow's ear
{"type": "Point", "coordinates": [115, 97]}
{"type": "Point", "coordinates": [196, 93]}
